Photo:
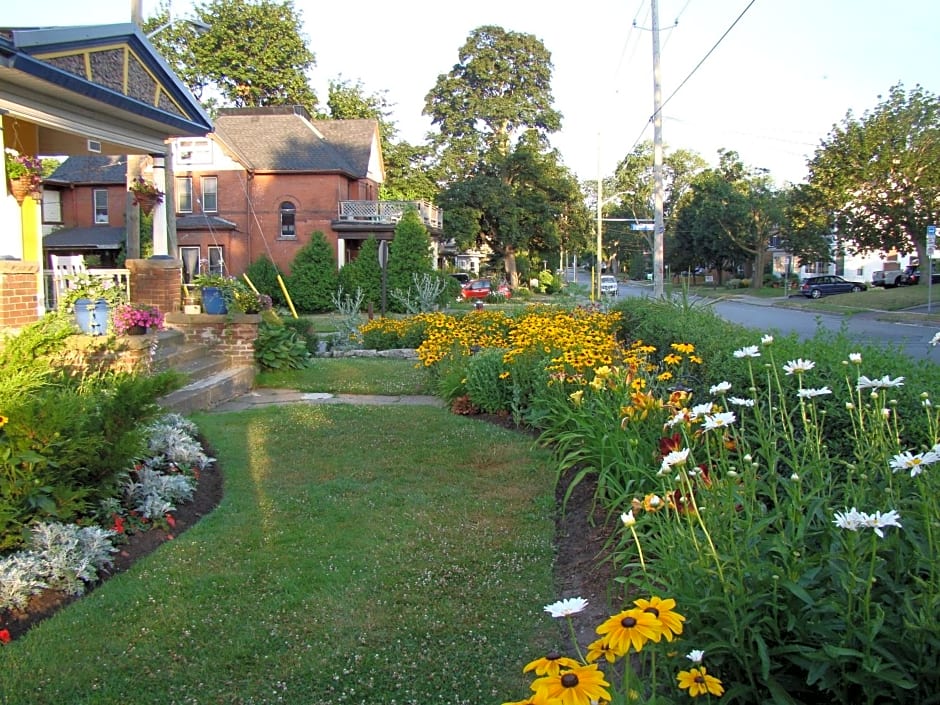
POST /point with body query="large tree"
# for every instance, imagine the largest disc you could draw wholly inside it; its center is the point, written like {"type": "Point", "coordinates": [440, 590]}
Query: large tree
{"type": "Point", "coordinates": [503, 185]}
{"type": "Point", "coordinates": [253, 53]}
{"type": "Point", "coordinates": [877, 175]}
{"type": "Point", "coordinates": [499, 89]}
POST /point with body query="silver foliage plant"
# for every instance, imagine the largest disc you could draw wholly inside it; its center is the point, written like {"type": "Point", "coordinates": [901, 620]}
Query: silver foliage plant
{"type": "Point", "coordinates": [347, 319]}
{"type": "Point", "coordinates": [425, 295]}
{"type": "Point", "coordinates": [66, 557]}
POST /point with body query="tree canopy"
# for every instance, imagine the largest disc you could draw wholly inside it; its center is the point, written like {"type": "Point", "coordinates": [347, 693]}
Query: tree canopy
{"type": "Point", "coordinates": [253, 54]}
{"type": "Point", "coordinates": [876, 176]}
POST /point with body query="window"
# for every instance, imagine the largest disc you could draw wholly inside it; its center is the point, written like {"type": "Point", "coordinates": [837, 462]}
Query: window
{"type": "Point", "coordinates": [101, 206]}
{"type": "Point", "coordinates": [51, 206]}
{"type": "Point", "coordinates": [288, 220]}
{"type": "Point", "coordinates": [197, 150]}
{"type": "Point", "coordinates": [210, 194]}
{"type": "Point", "coordinates": [216, 263]}
{"type": "Point", "coordinates": [190, 258]}
{"type": "Point", "coordinates": [184, 195]}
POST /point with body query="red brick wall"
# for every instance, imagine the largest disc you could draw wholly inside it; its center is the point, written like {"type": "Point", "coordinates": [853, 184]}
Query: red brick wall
{"type": "Point", "coordinates": [157, 282]}
{"type": "Point", "coordinates": [78, 206]}
{"type": "Point", "coordinates": [231, 335]}
{"type": "Point", "coordinates": [18, 299]}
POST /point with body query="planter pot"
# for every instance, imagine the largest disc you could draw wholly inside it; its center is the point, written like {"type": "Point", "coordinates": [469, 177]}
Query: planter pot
{"type": "Point", "coordinates": [22, 187]}
{"type": "Point", "coordinates": [92, 316]}
{"type": "Point", "coordinates": [212, 300]}
{"type": "Point", "coordinates": [136, 330]}
{"type": "Point", "coordinates": [146, 203]}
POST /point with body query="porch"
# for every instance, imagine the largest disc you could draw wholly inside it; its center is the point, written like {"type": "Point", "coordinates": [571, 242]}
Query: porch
{"type": "Point", "coordinates": [388, 213]}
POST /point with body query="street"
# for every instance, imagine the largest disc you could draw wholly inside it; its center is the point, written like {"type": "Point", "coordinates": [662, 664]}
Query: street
{"type": "Point", "coordinates": [763, 316]}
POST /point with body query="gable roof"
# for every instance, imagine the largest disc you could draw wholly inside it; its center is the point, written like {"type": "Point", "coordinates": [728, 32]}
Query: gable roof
{"type": "Point", "coordinates": [95, 169]}
{"type": "Point", "coordinates": [283, 139]}
{"type": "Point", "coordinates": [104, 82]}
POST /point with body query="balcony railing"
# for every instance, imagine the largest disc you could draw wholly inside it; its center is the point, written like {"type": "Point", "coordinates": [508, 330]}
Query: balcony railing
{"type": "Point", "coordinates": [389, 212]}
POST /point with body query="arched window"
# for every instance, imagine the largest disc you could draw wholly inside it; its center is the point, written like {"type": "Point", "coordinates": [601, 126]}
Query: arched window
{"type": "Point", "coordinates": [288, 219]}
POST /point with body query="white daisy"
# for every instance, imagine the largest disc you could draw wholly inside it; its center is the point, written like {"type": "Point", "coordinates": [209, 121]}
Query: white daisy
{"type": "Point", "coordinates": [695, 655]}
{"type": "Point", "coordinates": [738, 401]}
{"type": "Point", "coordinates": [879, 521]}
{"type": "Point", "coordinates": [766, 340]}
{"type": "Point", "coordinates": [722, 420]}
{"type": "Point", "coordinates": [676, 457]}
{"type": "Point", "coordinates": [749, 351]}
{"type": "Point", "coordinates": [850, 519]}
{"type": "Point", "coordinates": [883, 383]}
{"type": "Point", "coordinates": [627, 518]}
{"type": "Point", "coordinates": [719, 388]}
{"type": "Point", "coordinates": [565, 608]}
{"type": "Point", "coordinates": [855, 358]}
{"type": "Point", "coordinates": [701, 410]}
{"type": "Point", "coordinates": [798, 366]}
{"type": "Point", "coordinates": [810, 393]}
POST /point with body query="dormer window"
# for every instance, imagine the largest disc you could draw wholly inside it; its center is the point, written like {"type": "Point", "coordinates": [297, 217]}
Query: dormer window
{"type": "Point", "coordinates": [288, 220]}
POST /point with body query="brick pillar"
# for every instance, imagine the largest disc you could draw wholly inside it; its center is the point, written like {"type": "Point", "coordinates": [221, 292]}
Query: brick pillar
{"type": "Point", "coordinates": [157, 282]}
{"type": "Point", "coordinates": [19, 300]}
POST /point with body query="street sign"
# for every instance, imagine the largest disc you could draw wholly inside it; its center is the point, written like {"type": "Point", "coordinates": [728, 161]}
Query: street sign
{"type": "Point", "coordinates": [383, 253]}
{"type": "Point", "coordinates": [931, 236]}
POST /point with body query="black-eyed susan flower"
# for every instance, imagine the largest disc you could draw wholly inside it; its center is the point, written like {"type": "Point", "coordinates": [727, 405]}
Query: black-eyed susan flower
{"type": "Point", "coordinates": [663, 610]}
{"type": "Point", "coordinates": [600, 649]}
{"type": "Point", "coordinates": [583, 685]}
{"type": "Point", "coordinates": [550, 664]}
{"type": "Point", "coordinates": [632, 627]}
{"type": "Point", "coordinates": [698, 682]}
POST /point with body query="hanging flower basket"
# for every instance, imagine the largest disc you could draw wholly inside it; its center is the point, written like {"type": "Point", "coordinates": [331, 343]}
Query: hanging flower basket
{"type": "Point", "coordinates": [146, 195]}
{"type": "Point", "coordinates": [21, 188]}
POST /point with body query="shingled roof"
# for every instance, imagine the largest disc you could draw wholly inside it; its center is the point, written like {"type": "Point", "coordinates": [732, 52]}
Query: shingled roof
{"type": "Point", "coordinates": [90, 170]}
{"type": "Point", "coordinates": [284, 139]}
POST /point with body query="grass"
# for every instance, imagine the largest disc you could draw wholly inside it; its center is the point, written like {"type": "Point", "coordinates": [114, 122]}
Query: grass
{"type": "Point", "coordinates": [352, 376]}
{"type": "Point", "coordinates": [352, 560]}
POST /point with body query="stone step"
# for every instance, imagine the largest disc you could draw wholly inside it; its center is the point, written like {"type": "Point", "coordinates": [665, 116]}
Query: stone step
{"type": "Point", "coordinates": [212, 378]}
{"type": "Point", "coordinates": [211, 390]}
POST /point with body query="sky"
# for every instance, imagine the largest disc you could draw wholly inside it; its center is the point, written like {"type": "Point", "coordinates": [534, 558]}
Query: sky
{"type": "Point", "coordinates": [766, 78]}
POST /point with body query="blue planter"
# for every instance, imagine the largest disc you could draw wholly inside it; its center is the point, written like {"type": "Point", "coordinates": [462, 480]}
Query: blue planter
{"type": "Point", "coordinates": [213, 301]}
{"type": "Point", "coordinates": [92, 316]}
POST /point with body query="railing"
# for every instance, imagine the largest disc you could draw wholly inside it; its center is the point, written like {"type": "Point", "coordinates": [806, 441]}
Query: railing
{"type": "Point", "coordinates": [58, 283]}
{"type": "Point", "coordinates": [389, 212]}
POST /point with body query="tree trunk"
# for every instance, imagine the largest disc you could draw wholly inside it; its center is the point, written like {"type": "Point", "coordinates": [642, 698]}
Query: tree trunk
{"type": "Point", "coordinates": [509, 266]}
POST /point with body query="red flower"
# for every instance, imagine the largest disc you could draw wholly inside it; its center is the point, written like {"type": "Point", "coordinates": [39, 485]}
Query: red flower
{"type": "Point", "coordinates": [170, 520]}
{"type": "Point", "coordinates": [118, 524]}
{"type": "Point", "coordinates": [5, 637]}
{"type": "Point", "coordinates": [669, 444]}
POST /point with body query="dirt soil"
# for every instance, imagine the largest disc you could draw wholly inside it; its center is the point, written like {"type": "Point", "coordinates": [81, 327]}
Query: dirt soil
{"type": "Point", "coordinates": [579, 572]}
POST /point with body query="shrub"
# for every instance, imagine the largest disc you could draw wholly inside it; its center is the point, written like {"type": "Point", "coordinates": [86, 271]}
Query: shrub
{"type": "Point", "coordinates": [487, 383]}
{"type": "Point", "coordinates": [263, 273]}
{"type": "Point", "coordinates": [313, 277]}
{"type": "Point", "coordinates": [364, 275]}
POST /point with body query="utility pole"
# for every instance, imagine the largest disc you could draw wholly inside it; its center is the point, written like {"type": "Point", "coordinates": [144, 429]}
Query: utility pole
{"type": "Point", "coordinates": [132, 211]}
{"type": "Point", "coordinates": [596, 284]}
{"type": "Point", "coordinates": [658, 196]}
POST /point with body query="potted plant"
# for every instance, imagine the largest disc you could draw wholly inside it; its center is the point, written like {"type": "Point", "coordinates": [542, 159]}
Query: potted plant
{"type": "Point", "coordinates": [146, 194]}
{"type": "Point", "coordinates": [217, 291]}
{"type": "Point", "coordinates": [91, 298]}
{"type": "Point", "coordinates": [24, 173]}
{"type": "Point", "coordinates": [136, 319]}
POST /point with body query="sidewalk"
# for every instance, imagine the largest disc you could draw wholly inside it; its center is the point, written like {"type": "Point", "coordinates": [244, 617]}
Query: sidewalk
{"type": "Point", "coordinates": [268, 397]}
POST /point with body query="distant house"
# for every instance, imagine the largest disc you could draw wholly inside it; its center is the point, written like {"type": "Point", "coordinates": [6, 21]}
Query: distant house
{"type": "Point", "coordinates": [261, 184]}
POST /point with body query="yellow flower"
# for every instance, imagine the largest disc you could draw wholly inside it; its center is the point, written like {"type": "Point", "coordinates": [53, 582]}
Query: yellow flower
{"type": "Point", "coordinates": [672, 359]}
{"type": "Point", "coordinates": [663, 611]}
{"type": "Point", "coordinates": [3, 421]}
{"type": "Point", "coordinates": [503, 375]}
{"type": "Point", "coordinates": [600, 649]}
{"type": "Point", "coordinates": [583, 685]}
{"type": "Point", "coordinates": [550, 664]}
{"type": "Point", "coordinates": [699, 683]}
{"type": "Point", "coordinates": [575, 397]}
{"type": "Point", "coordinates": [664, 376]}
{"type": "Point", "coordinates": [632, 627]}
{"type": "Point", "coordinates": [686, 348]}
{"type": "Point", "coordinates": [653, 503]}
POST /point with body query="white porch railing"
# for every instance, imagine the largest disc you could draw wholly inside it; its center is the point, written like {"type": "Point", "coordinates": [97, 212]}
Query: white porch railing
{"type": "Point", "coordinates": [58, 283]}
{"type": "Point", "coordinates": [389, 212]}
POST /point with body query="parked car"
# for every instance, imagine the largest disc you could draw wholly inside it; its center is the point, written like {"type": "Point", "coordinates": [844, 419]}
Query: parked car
{"type": "Point", "coordinates": [609, 285]}
{"type": "Point", "coordinates": [896, 277]}
{"type": "Point", "coordinates": [481, 288]}
{"type": "Point", "coordinates": [814, 287]}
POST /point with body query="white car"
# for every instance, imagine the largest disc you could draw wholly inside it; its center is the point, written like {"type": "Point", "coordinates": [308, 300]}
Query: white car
{"type": "Point", "coordinates": [609, 285]}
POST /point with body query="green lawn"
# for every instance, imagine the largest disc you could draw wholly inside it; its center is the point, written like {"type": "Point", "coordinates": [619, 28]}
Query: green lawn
{"type": "Point", "coordinates": [359, 375]}
{"type": "Point", "coordinates": [358, 556]}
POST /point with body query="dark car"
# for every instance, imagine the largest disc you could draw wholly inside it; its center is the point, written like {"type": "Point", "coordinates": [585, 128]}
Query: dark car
{"type": "Point", "coordinates": [481, 288]}
{"type": "Point", "coordinates": [462, 277]}
{"type": "Point", "coordinates": [814, 287]}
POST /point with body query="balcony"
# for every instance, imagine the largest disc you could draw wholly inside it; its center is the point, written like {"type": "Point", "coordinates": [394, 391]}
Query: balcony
{"type": "Point", "coordinates": [388, 213]}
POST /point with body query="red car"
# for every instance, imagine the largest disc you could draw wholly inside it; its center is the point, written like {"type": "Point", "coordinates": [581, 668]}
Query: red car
{"type": "Point", "coordinates": [481, 288]}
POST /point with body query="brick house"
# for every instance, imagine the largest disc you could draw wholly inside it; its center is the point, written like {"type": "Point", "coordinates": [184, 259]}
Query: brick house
{"type": "Point", "coordinates": [260, 184]}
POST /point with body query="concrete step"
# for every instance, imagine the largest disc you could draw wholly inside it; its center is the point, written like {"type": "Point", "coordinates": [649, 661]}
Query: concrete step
{"type": "Point", "coordinates": [211, 390]}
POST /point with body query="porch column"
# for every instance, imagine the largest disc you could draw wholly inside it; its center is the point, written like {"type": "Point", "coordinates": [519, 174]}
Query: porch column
{"type": "Point", "coordinates": [160, 244]}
